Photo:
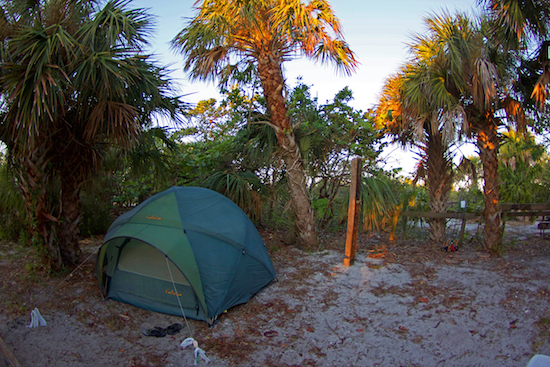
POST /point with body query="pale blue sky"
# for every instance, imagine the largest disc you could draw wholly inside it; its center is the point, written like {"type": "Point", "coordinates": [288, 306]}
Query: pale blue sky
{"type": "Point", "coordinates": [377, 31]}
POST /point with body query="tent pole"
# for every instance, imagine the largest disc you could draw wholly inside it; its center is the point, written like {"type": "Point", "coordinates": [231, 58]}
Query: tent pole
{"type": "Point", "coordinates": [176, 291]}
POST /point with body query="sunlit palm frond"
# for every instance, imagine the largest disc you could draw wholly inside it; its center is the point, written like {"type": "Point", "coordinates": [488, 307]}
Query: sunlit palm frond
{"type": "Point", "coordinates": [485, 83]}
{"type": "Point", "coordinates": [339, 54]}
{"type": "Point", "coordinates": [378, 201]}
{"type": "Point", "coordinates": [521, 17]}
{"type": "Point", "coordinates": [516, 112]}
{"type": "Point", "coordinates": [540, 91]}
{"type": "Point", "coordinates": [248, 29]}
{"type": "Point", "coordinates": [389, 109]}
{"type": "Point", "coordinates": [518, 25]}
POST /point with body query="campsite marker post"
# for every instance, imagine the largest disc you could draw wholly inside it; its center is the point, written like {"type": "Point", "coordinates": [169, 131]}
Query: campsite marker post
{"type": "Point", "coordinates": [353, 211]}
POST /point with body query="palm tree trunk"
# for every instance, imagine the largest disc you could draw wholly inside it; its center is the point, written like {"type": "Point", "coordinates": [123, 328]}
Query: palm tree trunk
{"type": "Point", "coordinates": [488, 145]}
{"type": "Point", "coordinates": [34, 182]}
{"type": "Point", "coordinates": [272, 81]}
{"type": "Point", "coordinates": [439, 182]}
{"type": "Point", "coordinates": [68, 227]}
{"type": "Point", "coordinates": [75, 161]}
{"type": "Point", "coordinates": [303, 213]}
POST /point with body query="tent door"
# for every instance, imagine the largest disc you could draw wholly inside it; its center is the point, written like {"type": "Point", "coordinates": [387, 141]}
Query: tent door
{"type": "Point", "coordinates": [142, 278]}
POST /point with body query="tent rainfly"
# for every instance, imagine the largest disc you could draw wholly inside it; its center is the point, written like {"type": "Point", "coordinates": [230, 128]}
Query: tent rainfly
{"type": "Point", "coordinates": [186, 249]}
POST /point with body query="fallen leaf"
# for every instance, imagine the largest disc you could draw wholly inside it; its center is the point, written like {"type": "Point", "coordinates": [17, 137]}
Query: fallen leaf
{"type": "Point", "coordinates": [403, 329]}
{"type": "Point", "coordinates": [423, 299]}
{"type": "Point", "coordinates": [310, 329]}
{"type": "Point", "coordinates": [360, 330]}
{"type": "Point", "coordinates": [452, 322]}
{"type": "Point", "coordinates": [271, 333]}
{"type": "Point", "coordinates": [372, 266]}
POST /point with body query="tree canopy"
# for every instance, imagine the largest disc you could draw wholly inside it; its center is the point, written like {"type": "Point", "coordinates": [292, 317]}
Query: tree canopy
{"type": "Point", "coordinates": [246, 41]}
{"type": "Point", "coordinates": [74, 79]}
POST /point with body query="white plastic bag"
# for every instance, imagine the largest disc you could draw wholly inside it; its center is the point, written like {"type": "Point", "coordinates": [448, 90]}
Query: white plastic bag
{"type": "Point", "coordinates": [36, 319]}
{"type": "Point", "coordinates": [188, 342]}
{"type": "Point", "coordinates": [199, 353]}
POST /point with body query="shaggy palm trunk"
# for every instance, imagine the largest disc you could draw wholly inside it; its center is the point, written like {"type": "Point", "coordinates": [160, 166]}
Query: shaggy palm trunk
{"type": "Point", "coordinates": [488, 145]}
{"type": "Point", "coordinates": [68, 227]}
{"type": "Point", "coordinates": [35, 179]}
{"type": "Point", "coordinates": [303, 213]}
{"type": "Point", "coordinates": [439, 182]}
{"type": "Point", "coordinates": [273, 84]}
{"type": "Point", "coordinates": [74, 161]}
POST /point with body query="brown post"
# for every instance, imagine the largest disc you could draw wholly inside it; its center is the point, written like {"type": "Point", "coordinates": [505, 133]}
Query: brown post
{"type": "Point", "coordinates": [463, 226]}
{"type": "Point", "coordinates": [353, 211]}
{"type": "Point", "coordinates": [7, 359]}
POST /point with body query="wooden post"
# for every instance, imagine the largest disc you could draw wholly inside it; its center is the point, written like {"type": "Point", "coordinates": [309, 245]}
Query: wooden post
{"type": "Point", "coordinates": [461, 234]}
{"type": "Point", "coordinates": [353, 211]}
{"type": "Point", "coordinates": [463, 225]}
{"type": "Point", "coordinates": [6, 357]}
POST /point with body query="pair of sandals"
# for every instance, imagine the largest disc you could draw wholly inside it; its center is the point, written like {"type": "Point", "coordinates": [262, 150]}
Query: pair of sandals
{"type": "Point", "coordinates": [160, 332]}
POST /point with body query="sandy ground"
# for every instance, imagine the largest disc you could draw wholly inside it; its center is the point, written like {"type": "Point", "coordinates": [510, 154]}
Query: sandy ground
{"type": "Point", "coordinates": [400, 304]}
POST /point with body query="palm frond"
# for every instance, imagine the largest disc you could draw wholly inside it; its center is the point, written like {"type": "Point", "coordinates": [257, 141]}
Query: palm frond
{"type": "Point", "coordinates": [243, 188]}
{"type": "Point", "coordinates": [378, 201]}
{"type": "Point", "coordinates": [245, 30]}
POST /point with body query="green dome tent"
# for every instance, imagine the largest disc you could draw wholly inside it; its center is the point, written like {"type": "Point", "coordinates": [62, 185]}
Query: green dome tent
{"type": "Point", "coordinates": [185, 249]}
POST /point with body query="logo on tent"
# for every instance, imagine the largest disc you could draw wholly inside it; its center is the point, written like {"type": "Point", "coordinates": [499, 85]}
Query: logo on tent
{"type": "Point", "coordinates": [154, 217]}
{"type": "Point", "coordinates": [171, 291]}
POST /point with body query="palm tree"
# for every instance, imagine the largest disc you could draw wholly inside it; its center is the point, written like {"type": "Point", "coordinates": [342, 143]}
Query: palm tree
{"type": "Point", "coordinates": [481, 77]}
{"type": "Point", "coordinates": [259, 36]}
{"type": "Point", "coordinates": [461, 64]}
{"type": "Point", "coordinates": [73, 80]}
{"type": "Point", "coordinates": [415, 110]}
{"type": "Point", "coordinates": [520, 168]}
{"type": "Point", "coordinates": [520, 25]}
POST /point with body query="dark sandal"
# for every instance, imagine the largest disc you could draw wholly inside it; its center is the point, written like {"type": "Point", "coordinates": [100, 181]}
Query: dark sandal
{"type": "Point", "coordinates": [156, 331]}
{"type": "Point", "coordinates": [173, 329]}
